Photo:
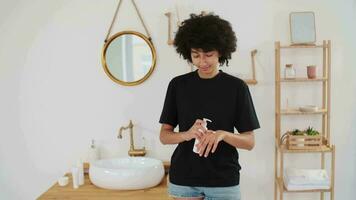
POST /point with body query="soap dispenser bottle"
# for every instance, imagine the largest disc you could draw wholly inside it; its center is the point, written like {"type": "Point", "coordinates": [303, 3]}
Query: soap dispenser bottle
{"type": "Point", "coordinates": [80, 167]}
{"type": "Point", "coordinates": [195, 149]}
{"type": "Point", "coordinates": [93, 152]}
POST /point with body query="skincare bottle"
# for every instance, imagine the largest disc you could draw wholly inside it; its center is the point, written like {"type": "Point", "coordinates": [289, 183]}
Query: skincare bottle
{"type": "Point", "coordinates": [75, 177]}
{"type": "Point", "coordinates": [195, 149]}
{"type": "Point", "coordinates": [80, 172]}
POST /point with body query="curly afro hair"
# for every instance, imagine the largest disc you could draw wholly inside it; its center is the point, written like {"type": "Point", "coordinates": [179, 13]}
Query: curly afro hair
{"type": "Point", "coordinates": [206, 32]}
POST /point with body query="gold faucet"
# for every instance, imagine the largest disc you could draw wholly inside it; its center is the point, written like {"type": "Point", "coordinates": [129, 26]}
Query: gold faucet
{"type": "Point", "coordinates": [132, 150]}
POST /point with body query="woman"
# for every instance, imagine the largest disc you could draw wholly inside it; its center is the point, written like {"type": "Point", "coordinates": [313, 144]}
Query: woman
{"type": "Point", "coordinates": [207, 41]}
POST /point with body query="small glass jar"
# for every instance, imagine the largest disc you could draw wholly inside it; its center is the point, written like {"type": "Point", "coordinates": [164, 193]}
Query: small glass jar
{"type": "Point", "coordinates": [289, 72]}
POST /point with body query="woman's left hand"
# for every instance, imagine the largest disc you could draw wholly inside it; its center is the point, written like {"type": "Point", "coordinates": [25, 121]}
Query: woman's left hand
{"type": "Point", "coordinates": [209, 142]}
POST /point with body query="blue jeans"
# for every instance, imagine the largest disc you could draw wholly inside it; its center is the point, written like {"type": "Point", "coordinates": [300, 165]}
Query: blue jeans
{"type": "Point", "coordinates": [208, 193]}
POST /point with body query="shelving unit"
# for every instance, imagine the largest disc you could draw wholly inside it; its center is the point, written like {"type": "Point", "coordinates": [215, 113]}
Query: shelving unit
{"type": "Point", "coordinates": [280, 147]}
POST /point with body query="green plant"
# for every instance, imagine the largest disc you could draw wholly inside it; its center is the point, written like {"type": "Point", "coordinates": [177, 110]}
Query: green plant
{"type": "Point", "coordinates": [297, 132]}
{"type": "Point", "coordinates": [310, 131]}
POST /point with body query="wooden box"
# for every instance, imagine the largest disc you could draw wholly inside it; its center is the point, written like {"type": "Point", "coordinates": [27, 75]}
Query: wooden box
{"type": "Point", "coordinates": [304, 141]}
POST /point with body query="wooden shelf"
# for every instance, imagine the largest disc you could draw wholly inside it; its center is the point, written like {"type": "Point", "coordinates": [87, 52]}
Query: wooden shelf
{"type": "Point", "coordinates": [301, 46]}
{"type": "Point", "coordinates": [304, 79]}
{"type": "Point", "coordinates": [250, 81]}
{"type": "Point", "coordinates": [296, 111]}
{"type": "Point", "coordinates": [324, 111]}
{"type": "Point", "coordinates": [283, 188]}
{"type": "Point", "coordinates": [324, 148]}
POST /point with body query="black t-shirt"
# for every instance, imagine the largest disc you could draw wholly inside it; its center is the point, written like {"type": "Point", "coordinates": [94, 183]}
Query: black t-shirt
{"type": "Point", "coordinates": [226, 101]}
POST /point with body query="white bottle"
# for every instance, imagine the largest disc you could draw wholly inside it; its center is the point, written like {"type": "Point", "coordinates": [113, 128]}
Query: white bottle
{"type": "Point", "coordinates": [93, 153]}
{"type": "Point", "coordinates": [195, 149]}
{"type": "Point", "coordinates": [80, 172]}
{"type": "Point", "coordinates": [75, 177]}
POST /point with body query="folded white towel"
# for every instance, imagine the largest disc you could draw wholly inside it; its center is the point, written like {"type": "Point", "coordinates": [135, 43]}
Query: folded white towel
{"type": "Point", "coordinates": [312, 177]}
{"type": "Point", "coordinates": [305, 187]}
{"type": "Point", "coordinates": [303, 182]}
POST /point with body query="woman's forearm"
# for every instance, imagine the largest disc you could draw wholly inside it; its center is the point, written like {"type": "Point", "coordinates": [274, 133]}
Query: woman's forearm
{"type": "Point", "coordinates": [171, 137]}
{"type": "Point", "coordinates": [244, 140]}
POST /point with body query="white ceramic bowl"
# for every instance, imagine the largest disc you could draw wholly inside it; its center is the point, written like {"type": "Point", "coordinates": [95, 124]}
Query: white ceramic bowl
{"type": "Point", "coordinates": [129, 173]}
{"type": "Point", "coordinates": [308, 108]}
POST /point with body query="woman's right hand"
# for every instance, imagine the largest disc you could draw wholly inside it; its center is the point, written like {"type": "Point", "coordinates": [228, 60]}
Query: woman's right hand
{"type": "Point", "coordinates": [196, 131]}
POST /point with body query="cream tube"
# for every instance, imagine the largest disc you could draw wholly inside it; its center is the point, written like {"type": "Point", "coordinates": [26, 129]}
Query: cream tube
{"type": "Point", "coordinates": [75, 176]}
{"type": "Point", "coordinates": [80, 172]}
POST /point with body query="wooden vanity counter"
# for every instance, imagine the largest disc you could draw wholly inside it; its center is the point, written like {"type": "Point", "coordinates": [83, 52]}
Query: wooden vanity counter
{"type": "Point", "coordinates": [90, 191]}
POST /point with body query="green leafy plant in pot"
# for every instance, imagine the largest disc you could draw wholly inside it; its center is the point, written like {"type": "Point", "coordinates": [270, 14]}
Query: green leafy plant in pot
{"type": "Point", "coordinates": [297, 132]}
{"type": "Point", "coordinates": [311, 132]}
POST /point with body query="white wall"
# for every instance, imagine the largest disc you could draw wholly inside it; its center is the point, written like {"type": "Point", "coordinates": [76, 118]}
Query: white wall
{"type": "Point", "coordinates": [55, 96]}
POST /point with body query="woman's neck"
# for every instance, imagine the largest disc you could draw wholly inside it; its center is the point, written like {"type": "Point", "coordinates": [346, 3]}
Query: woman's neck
{"type": "Point", "coordinates": [209, 75]}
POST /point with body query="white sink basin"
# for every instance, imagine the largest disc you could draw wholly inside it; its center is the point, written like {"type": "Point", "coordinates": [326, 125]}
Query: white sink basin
{"type": "Point", "coordinates": [129, 173]}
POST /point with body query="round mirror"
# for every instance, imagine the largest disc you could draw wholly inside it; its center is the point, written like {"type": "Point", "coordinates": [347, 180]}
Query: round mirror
{"type": "Point", "coordinates": [128, 58]}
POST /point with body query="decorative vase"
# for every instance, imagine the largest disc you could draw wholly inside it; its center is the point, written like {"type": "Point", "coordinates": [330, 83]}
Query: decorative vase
{"type": "Point", "coordinates": [311, 71]}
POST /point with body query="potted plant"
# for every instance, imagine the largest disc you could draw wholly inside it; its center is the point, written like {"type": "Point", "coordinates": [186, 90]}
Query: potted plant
{"type": "Point", "coordinates": [297, 132]}
{"type": "Point", "coordinates": [311, 132]}
{"type": "Point", "coordinates": [302, 139]}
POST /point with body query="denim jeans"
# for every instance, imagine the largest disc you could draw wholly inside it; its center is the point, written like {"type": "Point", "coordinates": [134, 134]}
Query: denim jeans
{"type": "Point", "coordinates": [208, 193]}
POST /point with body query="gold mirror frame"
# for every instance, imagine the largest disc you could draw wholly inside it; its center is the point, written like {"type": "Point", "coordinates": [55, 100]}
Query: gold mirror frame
{"type": "Point", "coordinates": [104, 63]}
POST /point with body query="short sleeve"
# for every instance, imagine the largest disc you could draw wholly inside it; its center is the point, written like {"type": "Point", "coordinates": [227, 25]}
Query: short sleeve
{"type": "Point", "coordinates": [169, 112]}
{"type": "Point", "coordinates": [246, 118]}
